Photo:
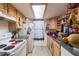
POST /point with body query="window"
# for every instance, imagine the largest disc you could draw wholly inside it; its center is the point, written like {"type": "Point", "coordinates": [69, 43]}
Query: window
{"type": "Point", "coordinates": [38, 10]}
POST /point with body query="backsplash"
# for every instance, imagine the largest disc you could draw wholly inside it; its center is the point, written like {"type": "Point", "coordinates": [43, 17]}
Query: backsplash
{"type": "Point", "coordinates": [3, 27]}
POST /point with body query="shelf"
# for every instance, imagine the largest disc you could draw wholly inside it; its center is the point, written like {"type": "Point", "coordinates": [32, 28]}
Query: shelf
{"type": "Point", "coordinates": [7, 17]}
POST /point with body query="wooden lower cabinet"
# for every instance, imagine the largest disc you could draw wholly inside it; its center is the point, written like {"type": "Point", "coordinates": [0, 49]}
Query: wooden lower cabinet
{"type": "Point", "coordinates": [48, 43]}
{"type": "Point", "coordinates": [53, 46]}
{"type": "Point", "coordinates": [56, 49]}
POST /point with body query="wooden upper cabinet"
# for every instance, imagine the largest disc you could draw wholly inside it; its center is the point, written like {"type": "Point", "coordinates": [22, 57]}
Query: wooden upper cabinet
{"type": "Point", "coordinates": [1, 6]}
{"type": "Point", "coordinates": [24, 19]}
{"type": "Point", "coordinates": [19, 19]}
{"type": "Point", "coordinates": [5, 8]}
{"type": "Point", "coordinates": [18, 15]}
{"type": "Point", "coordinates": [11, 10]}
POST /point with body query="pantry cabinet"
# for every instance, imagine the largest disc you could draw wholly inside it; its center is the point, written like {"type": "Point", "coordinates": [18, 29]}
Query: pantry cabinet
{"type": "Point", "coordinates": [53, 46]}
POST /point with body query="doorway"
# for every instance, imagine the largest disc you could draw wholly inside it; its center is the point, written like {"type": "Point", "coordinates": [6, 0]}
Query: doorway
{"type": "Point", "coordinates": [39, 33]}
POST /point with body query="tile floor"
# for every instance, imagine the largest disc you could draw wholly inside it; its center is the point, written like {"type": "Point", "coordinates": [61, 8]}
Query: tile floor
{"type": "Point", "coordinates": [40, 51]}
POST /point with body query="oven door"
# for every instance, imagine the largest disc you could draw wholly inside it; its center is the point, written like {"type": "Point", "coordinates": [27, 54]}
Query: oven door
{"type": "Point", "coordinates": [21, 51]}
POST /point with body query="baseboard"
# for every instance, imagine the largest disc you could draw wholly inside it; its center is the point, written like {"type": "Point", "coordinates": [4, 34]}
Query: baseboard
{"type": "Point", "coordinates": [38, 38]}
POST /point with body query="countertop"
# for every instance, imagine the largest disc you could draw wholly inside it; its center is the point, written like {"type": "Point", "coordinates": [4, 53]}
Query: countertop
{"type": "Point", "coordinates": [66, 46]}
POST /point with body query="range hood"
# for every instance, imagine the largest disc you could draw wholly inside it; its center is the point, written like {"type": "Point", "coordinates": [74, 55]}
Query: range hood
{"type": "Point", "coordinates": [6, 17]}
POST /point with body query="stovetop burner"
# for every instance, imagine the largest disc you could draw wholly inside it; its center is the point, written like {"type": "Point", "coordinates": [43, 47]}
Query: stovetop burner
{"type": "Point", "coordinates": [9, 47]}
{"type": "Point", "coordinates": [11, 40]}
{"type": "Point", "coordinates": [17, 41]}
{"type": "Point", "coordinates": [2, 46]}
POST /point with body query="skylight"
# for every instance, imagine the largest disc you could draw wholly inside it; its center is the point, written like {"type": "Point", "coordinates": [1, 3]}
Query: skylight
{"type": "Point", "coordinates": [38, 10]}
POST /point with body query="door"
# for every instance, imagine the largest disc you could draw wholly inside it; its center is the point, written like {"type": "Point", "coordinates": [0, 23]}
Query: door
{"type": "Point", "coordinates": [39, 33]}
{"type": "Point", "coordinates": [38, 30]}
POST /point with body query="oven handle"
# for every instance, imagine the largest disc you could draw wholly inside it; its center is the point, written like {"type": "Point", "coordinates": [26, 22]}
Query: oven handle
{"type": "Point", "coordinates": [12, 54]}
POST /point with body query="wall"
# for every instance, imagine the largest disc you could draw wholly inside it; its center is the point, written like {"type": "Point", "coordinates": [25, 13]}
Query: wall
{"type": "Point", "coordinates": [3, 27]}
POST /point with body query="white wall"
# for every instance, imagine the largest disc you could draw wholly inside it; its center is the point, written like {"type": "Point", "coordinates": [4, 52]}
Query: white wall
{"type": "Point", "coordinates": [3, 27]}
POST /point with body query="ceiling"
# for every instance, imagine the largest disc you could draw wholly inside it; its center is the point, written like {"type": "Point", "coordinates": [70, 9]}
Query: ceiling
{"type": "Point", "coordinates": [52, 9]}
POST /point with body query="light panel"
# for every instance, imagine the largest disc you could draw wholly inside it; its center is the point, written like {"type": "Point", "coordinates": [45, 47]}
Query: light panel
{"type": "Point", "coordinates": [38, 10]}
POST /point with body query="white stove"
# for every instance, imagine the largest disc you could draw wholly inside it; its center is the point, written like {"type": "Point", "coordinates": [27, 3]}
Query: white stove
{"type": "Point", "coordinates": [7, 48]}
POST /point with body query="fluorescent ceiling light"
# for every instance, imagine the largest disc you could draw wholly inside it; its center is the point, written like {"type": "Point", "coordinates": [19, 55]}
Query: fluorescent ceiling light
{"type": "Point", "coordinates": [38, 10]}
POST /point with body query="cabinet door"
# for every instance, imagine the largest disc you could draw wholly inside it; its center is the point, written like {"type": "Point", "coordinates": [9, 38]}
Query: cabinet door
{"type": "Point", "coordinates": [1, 6]}
{"type": "Point", "coordinates": [18, 17]}
{"type": "Point", "coordinates": [24, 19]}
{"type": "Point", "coordinates": [12, 26]}
{"type": "Point", "coordinates": [11, 10]}
{"type": "Point", "coordinates": [5, 8]}
{"type": "Point", "coordinates": [48, 43]}
{"type": "Point", "coordinates": [51, 48]}
{"type": "Point", "coordinates": [56, 49]}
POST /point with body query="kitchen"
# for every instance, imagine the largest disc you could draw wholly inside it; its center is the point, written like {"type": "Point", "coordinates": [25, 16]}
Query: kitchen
{"type": "Point", "coordinates": [39, 29]}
